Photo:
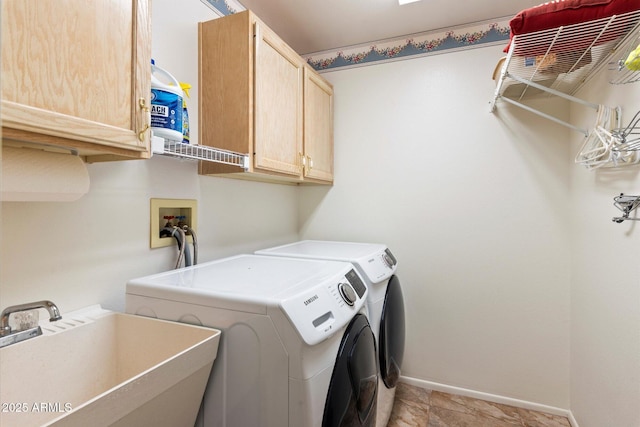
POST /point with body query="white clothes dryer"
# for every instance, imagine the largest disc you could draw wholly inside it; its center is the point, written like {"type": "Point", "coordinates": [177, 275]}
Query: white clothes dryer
{"type": "Point", "coordinates": [295, 348]}
{"type": "Point", "coordinates": [377, 265]}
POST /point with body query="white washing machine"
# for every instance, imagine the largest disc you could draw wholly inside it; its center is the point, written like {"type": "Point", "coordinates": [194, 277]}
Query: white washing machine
{"type": "Point", "coordinates": [295, 350]}
{"type": "Point", "coordinates": [377, 265]}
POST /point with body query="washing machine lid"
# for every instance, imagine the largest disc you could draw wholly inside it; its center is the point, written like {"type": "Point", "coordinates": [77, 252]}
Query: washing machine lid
{"type": "Point", "coordinates": [309, 292]}
{"type": "Point", "coordinates": [374, 261]}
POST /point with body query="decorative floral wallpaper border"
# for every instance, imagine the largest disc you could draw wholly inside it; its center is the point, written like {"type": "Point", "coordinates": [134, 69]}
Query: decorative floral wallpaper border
{"type": "Point", "coordinates": [417, 45]}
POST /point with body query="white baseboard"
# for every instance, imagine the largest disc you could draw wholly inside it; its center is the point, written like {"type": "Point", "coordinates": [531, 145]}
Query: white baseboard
{"type": "Point", "coordinates": [429, 385]}
{"type": "Point", "coordinates": [572, 420]}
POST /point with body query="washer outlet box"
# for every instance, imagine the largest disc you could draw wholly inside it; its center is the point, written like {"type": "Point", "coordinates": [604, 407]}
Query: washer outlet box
{"type": "Point", "coordinates": [169, 213]}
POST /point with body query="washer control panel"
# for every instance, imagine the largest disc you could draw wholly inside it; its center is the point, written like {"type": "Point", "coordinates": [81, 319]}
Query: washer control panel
{"type": "Point", "coordinates": [356, 282]}
{"type": "Point", "coordinates": [347, 293]}
{"type": "Point", "coordinates": [321, 310]}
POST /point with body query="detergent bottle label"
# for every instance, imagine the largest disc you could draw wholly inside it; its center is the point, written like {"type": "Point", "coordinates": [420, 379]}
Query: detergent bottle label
{"type": "Point", "coordinates": [166, 110]}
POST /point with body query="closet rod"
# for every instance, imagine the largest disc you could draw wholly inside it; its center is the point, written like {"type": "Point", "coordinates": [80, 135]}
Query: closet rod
{"type": "Point", "coordinates": [553, 91]}
{"type": "Point", "coordinates": [545, 115]}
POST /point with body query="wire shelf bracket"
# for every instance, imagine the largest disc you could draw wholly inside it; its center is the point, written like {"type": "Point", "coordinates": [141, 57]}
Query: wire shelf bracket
{"type": "Point", "coordinates": [624, 65]}
{"type": "Point", "coordinates": [626, 204]}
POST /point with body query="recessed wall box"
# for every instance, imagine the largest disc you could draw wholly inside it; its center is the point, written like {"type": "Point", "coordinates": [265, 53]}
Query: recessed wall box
{"type": "Point", "coordinates": [170, 213]}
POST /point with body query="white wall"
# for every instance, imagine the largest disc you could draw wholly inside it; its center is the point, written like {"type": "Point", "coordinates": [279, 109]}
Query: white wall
{"type": "Point", "coordinates": [475, 207]}
{"type": "Point", "coordinates": [605, 285]}
{"type": "Point", "coordinates": [82, 253]}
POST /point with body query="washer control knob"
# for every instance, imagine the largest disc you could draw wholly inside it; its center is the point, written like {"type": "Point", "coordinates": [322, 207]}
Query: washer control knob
{"type": "Point", "coordinates": [387, 260]}
{"type": "Point", "coordinates": [347, 293]}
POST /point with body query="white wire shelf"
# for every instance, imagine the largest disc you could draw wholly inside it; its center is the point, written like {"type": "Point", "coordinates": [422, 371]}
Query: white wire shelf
{"type": "Point", "coordinates": [199, 152]}
{"type": "Point", "coordinates": [559, 61]}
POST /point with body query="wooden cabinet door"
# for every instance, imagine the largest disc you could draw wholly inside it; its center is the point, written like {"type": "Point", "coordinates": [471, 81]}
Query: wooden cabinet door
{"type": "Point", "coordinates": [278, 104]}
{"type": "Point", "coordinates": [76, 73]}
{"type": "Point", "coordinates": [318, 127]}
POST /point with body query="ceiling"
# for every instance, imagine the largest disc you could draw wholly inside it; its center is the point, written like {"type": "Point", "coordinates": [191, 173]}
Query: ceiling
{"type": "Point", "coordinates": [310, 26]}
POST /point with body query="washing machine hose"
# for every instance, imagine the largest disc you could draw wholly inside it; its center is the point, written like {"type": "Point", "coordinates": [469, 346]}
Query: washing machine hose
{"type": "Point", "coordinates": [183, 247]}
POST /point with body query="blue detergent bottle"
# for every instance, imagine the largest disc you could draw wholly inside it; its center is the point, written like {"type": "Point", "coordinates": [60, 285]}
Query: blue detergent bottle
{"type": "Point", "coordinates": [166, 105]}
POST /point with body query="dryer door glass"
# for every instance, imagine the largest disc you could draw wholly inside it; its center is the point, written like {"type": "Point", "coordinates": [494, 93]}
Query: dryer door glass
{"type": "Point", "coordinates": [364, 372]}
{"type": "Point", "coordinates": [392, 334]}
{"type": "Point", "coordinates": [353, 390]}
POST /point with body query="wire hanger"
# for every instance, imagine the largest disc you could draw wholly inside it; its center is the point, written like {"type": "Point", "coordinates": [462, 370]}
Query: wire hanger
{"type": "Point", "coordinates": [610, 145]}
{"type": "Point", "coordinates": [597, 149]}
{"type": "Point", "coordinates": [628, 138]}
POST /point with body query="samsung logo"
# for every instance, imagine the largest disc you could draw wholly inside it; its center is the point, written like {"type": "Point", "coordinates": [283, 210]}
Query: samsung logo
{"type": "Point", "coordinates": [310, 300]}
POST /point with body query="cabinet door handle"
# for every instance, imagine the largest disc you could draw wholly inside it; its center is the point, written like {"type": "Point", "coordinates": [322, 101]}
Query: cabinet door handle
{"type": "Point", "coordinates": [141, 133]}
{"type": "Point", "coordinates": [310, 163]}
{"type": "Point", "coordinates": [142, 103]}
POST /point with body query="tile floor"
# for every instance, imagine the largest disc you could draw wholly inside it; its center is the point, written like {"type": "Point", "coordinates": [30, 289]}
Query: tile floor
{"type": "Point", "coordinates": [417, 407]}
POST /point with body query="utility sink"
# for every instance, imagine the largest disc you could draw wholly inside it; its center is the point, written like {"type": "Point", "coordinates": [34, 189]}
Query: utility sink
{"type": "Point", "coordinates": [101, 368]}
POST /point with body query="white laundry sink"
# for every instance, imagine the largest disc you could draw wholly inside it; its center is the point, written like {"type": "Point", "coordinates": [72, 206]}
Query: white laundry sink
{"type": "Point", "coordinates": [100, 368]}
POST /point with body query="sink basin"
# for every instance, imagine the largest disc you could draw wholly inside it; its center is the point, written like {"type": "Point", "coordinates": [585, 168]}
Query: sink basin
{"type": "Point", "coordinates": [101, 368]}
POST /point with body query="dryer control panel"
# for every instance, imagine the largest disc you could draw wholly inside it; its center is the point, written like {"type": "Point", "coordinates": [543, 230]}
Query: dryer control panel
{"type": "Point", "coordinates": [379, 266]}
{"type": "Point", "coordinates": [320, 311]}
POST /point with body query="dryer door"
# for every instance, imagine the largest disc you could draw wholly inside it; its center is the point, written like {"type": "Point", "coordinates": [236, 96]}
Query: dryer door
{"type": "Point", "coordinates": [353, 390]}
{"type": "Point", "coordinates": [392, 334]}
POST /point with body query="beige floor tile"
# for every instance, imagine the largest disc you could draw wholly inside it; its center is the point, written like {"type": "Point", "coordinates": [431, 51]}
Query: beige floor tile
{"type": "Point", "coordinates": [407, 415]}
{"type": "Point", "coordinates": [417, 407]}
{"type": "Point", "coordinates": [539, 419]}
{"type": "Point", "coordinates": [411, 395]}
{"type": "Point", "coordinates": [490, 410]}
{"type": "Point", "coordinates": [441, 417]}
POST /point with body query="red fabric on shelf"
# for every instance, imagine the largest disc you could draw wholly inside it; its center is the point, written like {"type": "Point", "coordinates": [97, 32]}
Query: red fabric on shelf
{"type": "Point", "coordinates": [559, 13]}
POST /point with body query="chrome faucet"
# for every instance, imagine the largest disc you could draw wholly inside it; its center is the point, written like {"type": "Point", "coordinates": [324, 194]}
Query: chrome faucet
{"type": "Point", "coordinates": [54, 313]}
